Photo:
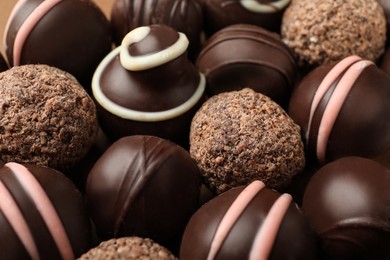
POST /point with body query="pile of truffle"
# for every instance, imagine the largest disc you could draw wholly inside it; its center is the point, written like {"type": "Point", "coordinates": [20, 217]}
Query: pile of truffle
{"type": "Point", "coordinates": [195, 129]}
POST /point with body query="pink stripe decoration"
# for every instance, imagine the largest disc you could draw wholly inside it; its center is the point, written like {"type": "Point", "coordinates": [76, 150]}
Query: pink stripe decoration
{"type": "Point", "coordinates": [29, 25]}
{"type": "Point", "coordinates": [232, 214]}
{"type": "Point", "coordinates": [266, 235]}
{"type": "Point", "coordinates": [15, 217]}
{"type": "Point", "coordinates": [45, 208]}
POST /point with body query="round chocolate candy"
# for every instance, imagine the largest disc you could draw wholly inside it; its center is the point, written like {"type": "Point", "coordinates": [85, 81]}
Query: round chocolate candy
{"type": "Point", "coordinates": [251, 222]}
{"type": "Point", "coordinates": [247, 56]}
{"type": "Point", "coordinates": [183, 15]}
{"type": "Point", "coordinates": [343, 109]}
{"type": "Point", "coordinates": [144, 186]}
{"type": "Point", "coordinates": [347, 204]}
{"type": "Point", "coordinates": [73, 35]}
{"type": "Point", "coordinates": [265, 13]}
{"type": "Point", "coordinates": [3, 63]}
{"type": "Point", "coordinates": [42, 214]}
{"type": "Point", "coordinates": [148, 86]}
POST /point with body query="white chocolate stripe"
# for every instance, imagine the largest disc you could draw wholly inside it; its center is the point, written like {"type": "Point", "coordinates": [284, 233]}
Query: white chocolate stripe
{"type": "Point", "coordinates": [233, 213]}
{"type": "Point", "coordinates": [272, 7]}
{"type": "Point", "coordinates": [268, 231]}
{"type": "Point", "coordinates": [45, 208]}
{"type": "Point", "coordinates": [15, 218]}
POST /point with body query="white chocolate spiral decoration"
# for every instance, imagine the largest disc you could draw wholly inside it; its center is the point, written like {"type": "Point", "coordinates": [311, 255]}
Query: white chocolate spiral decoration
{"type": "Point", "coordinates": [257, 7]}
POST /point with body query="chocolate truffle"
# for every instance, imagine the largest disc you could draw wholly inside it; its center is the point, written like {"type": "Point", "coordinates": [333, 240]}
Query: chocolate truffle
{"type": "Point", "coordinates": [130, 248]}
{"type": "Point", "coordinates": [72, 35]}
{"type": "Point", "coordinates": [3, 63]}
{"type": "Point", "coordinates": [244, 55]}
{"type": "Point", "coordinates": [42, 214]}
{"type": "Point", "coordinates": [148, 86]}
{"type": "Point", "coordinates": [265, 13]}
{"type": "Point", "coordinates": [143, 186]}
{"type": "Point", "coordinates": [324, 31]}
{"type": "Point", "coordinates": [251, 222]}
{"type": "Point", "coordinates": [47, 118]}
{"type": "Point", "coordinates": [343, 110]}
{"type": "Point", "coordinates": [241, 136]}
{"type": "Point", "coordinates": [183, 15]}
{"type": "Point", "coordinates": [347, 204]}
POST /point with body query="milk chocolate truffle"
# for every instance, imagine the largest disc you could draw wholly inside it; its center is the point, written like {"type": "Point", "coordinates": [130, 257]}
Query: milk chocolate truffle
{"type": "Point", "coordinates": [3, 63]}
{"type": "Point", "coordinates": [47, 118]}
{"type": "Point", "coordinates": [72, 35]}
{"type": "Point", "coordinates": [244, 55]}
{"type": "Point", "coordinates": [324, 31]}
{"type": "Point", "coordinates": [185, 16]}
{"type": "Point", "coordinates": [144, 186]}
{"type": "Point", "coordinates": [42, 214]}
{"type": "Point", "coordinates": [148, 86]}
{"type": "Point", "coordinates": [241, 136]}
{"type": "Point", "coordinates": [265, 13]}
{"type": "Point", "coordinates": [343, 110]}
{"type": "Point", "coordinates": [251, 222]}
{"type": "Point", "coordinates": [131, 248]}
{"type": "Point", "coordinates": [347, 204]}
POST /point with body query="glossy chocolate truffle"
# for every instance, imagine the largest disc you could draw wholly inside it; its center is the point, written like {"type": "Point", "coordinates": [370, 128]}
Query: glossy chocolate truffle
{"type": "Point", "coordinates": [325, 31]}
{"type": "Point", "coordinates": [251, 222]}
{"type": "Point", "coordinates": [47, 117]}
{"type": "Point", "coordinates": [265, 13]}
{"type": "Point", "coordinates": [148, 86]}
{"type": "Point", "coordinates": [42, 214]}
{"type": "Point", "coordinates": [183, 15]}
{"type": "Point", "coordinates": [3, 63]}
{"type": "Point", "coordinates": [241, 136]}
{"type": "Point", "coordinates": [130, 248]}
{"type": "Point", "coordinates": [347, 204]}
{"type": "Point", "coordinates": [248, 56]}
{"type": "Point", "coordinates": [144, 186]}
{"type": "Point", "coordinates": [72, 35]}
{"type": "Point", "coordinates": [343, 110]}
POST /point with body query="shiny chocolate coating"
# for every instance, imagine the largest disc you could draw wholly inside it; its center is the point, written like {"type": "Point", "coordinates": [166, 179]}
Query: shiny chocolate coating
{"type": "Point", "coordinates": [248, 56]}
{"type": "Point", "coordinates": [3, 64]}
{"type": "Point", "coordinates": [42, 214]}
{"type": "Point", "coordinates": [343, 110]}
{"type": "Point", "coordinates": [251, 222]}
{"type": "Point", "coordinates": [144, 186]}
{"type": "Point", "coordinates": [347, 204]}
{"type": "Point", "coordinates": [73, 35]}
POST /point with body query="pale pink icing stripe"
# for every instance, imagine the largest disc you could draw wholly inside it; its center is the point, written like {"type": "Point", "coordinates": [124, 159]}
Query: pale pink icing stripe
{"type": "Point", "coordinates": [29, 25]}
{"type": "Point", "coordinates": [232, 214]}
{"type": "Point", "coordinates": [10, 18]}
{"type": "Point", "coordinates": [45, 208]}
{"type": "Point", "coordinates": [266, 235]}
{"type": "Point", "coordinates": [335, 103]}
{"type": "Point", "coordinates": [326, 83]}
{"type": "Point", "coordinates": [12, 213]}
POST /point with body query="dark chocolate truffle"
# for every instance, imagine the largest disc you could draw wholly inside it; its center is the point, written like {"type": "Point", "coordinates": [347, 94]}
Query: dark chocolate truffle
{"type": "Point", "coordinates": [241, 136]}
{"type": "Point", "coordinates": [47, 118]}
{"type": "Point", "coordinates": [244, 55]}
{"type": "Point", "coordinates": [325, 31]}
{"type": "Point", "coordinates": [251, 222]}
{"type": "Point", "coordinates": [343, 110]}
{"type": "Point", "coordinates": [129, 248]}
{"type": "Point", "coordinates": [42, 214]}
{"type": "Point", "coordinates": [143, 186]}
{"type": "Point", "coordinates": [347, 204]}
{"type": "Point", "coordinates": [72, 35]}
{"type": "Point", "coordinates": [183, 15]}
{"type": "Point", "coordinates": [3, 63]}
{"type": "Point", "coordinates": [148, 86]}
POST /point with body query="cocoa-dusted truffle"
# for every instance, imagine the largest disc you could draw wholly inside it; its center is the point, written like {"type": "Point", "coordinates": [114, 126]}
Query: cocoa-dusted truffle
{"type": "Point", "coordinates": [323, 31]}
{"type": "Point", "coordinates": [131, 248]}
{"type": "Point", "coordinates": [241, 136]}
{"type": "Point", "coordinates": [47, 118]}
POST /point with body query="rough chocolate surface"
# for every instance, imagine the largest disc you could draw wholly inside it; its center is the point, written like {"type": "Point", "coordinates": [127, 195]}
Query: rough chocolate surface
{"type": "Point", "coordinates": [128, 248]}
{"type": "Point", "coordinates": [47, 118]}
{"type": "Point", "coordinates": [240, 136]}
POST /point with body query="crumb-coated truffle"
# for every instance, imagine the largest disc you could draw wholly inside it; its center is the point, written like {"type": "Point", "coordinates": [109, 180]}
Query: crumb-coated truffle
{"type": "Point", "coordinates": [322, 31]}
{"type": "Point", "coordinates": [131, 248]}
{"type": "Point", "coordinates": [47, 118]}
{"type": "Point", "coordinates": [241, 136]}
